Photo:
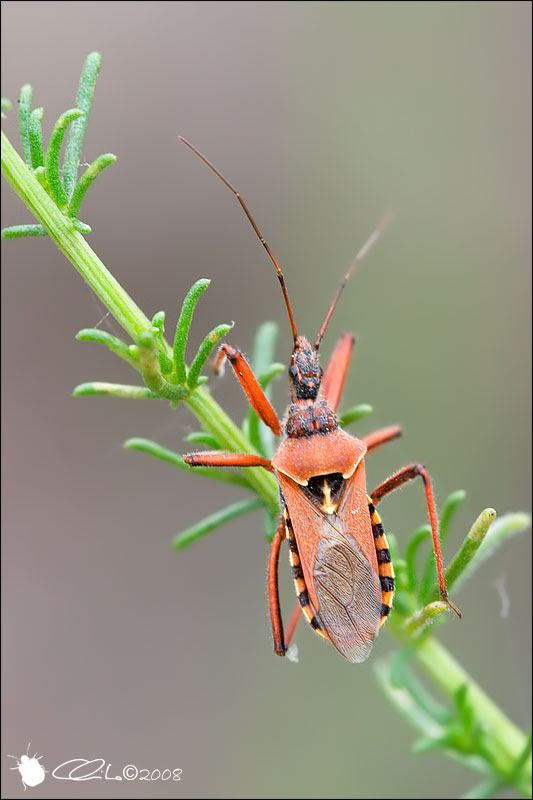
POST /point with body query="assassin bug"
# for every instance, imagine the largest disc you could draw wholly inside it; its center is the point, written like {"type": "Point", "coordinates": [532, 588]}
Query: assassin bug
{"type": "Point", "coordinates": [338, 551]}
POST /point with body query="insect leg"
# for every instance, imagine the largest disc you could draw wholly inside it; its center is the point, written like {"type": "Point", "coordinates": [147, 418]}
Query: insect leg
{"type": "Point", "coordinates": [376, 439]}
{"type": "Point", "coordinates": [216, 459]}
{"type": "Point", "coordinates": [250, 384]}
{"type": "Point", "coordinates": [280, 647]}
{"type": "Point", "coordinates": [335, 372]}
{"type": "Point", "coordinates": [296, 614]}
{"type": "Point", "coordinates": [397, 480]}
{"type": "Point", "coordinates": [385, 569]}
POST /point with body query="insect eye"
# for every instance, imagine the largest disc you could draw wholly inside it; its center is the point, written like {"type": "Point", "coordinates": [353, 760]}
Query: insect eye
{"type": "Point", "coordinates": [293, 370]}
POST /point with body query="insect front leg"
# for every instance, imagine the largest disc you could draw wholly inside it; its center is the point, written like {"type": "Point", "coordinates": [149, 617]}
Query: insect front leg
{"type": "Point", "coordinates": [250, 384]}
{"type": "Point", "coordinates": [397, 480]}
{"type": "Point", "coordinates": [215, 459]}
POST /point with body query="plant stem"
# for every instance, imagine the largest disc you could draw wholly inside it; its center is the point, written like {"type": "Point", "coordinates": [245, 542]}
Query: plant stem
{"type": "Point", "coordinates": [123, 308]}
{"type": "Point", "coordinates": [449, 675]}
{"type": "Point", "coordinates": [71, 243]}
{"type": "Point", "coordinates": [217, 422]}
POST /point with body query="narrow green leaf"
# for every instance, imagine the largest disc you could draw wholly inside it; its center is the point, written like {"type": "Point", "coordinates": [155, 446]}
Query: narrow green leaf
{"type": "Point", "coordinates": [485, 789]}
{"type": "Point", "coordinates": [57, 191]}
{"type": "Point", "coordinates": [88, 177]}
{"type": "Point", "coordinates": [423, 699]}
{"type": "Point", "coordinates": [466, 711]}
{"type": "Point", "coordinates": [204, 351]}
{"type": "Point", "coordinates": [271, 524]}
{"type": "Point", "coordinates": [469, 558]}
{"type": "Point", "coordinates": [165, 362]}
{"type": "Point", "coordinates": [113, 390]}
{"type": "Point", "coordinates": [262, 358]}
{"type": "Point", "coordinates": [427, 744]}
{"type": "Point", "coordinates": [264, 347]}
{"type": "Point", "coordinates": [199, 437]}
{"type": "Point", "coordinates": [35, 133]}
{"type": "Point", "coordinates": [80, 226]}
{"type": "Point", "coordinates": [84, 99]}
{"type": "Point", "coordinates": [182, 328]}
{"type": "Point", "coordinates": [449, 508]}
{"type": "Point", "coordinates": [40, 174]}
{"type": "Point", "coordinates": [151, 369]}
{"type": "Point", "coordinates": [25, 101]}
{"type": "Point", "coordinates": [402, 699]}
{"type": "Point", "coordinates": [468, 549]}
{"type": "Point", "coordinates": [154, 449]}
{"type": "Point", "coordinates": [116, 345]}
{"type": "Point", "coordinates": [267, 376]}
{"type": "Point", "coordinates": [18, 231]}
{"type": "Point", "coordinates": [420, 620]}
{"type": "Point", "coordinates": [354, 414]}
{"type": "Point", "coordinates": [213, 521]}
{"type": "Point", "coordinates": [518, 775]}
{"type": "Point", "coordinates": [6, 105]}
{"type": "Point", "coordinates": [419, 536]}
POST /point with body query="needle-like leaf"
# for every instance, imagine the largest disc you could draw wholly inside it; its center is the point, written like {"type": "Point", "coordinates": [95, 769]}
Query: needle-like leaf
{"type": "Point", "coordinates": [204, 351]}
{"type": "Point", "coordinates": [113, 390]}
{"type": "Point", "coordinates": [449, 508]}
{"type": "Point", "coordinates": [52, 157]}
{"type": "Point", "coordinates": [19, 231]}
{"type": "Point", "coordinates": [182, 328]}
{"type": "Point", "coordinates": [355, 414]}
{"type": "Point", "coordinates": [115, 344]}
{"type": "Point", "coordinates": [164, 454]}
{"type": "Point", "coordinates": [84, 99]}
{"type": "Point", "coordinates": [213, 521]}
{"type": "Point", "coordinates": [25, 101]}
{"type": "Point", "coordinates": [35, 133]}
{"type": "Point", "coordinates": [88, 177]}
{"type": "Point", "coordinates": [165, 362]}
{"type": "Point", "coordinates": [199, 437]}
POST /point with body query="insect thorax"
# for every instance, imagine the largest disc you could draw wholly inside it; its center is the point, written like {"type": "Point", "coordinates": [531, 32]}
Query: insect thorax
{"type": "Point", "coordinates": [306, 420]}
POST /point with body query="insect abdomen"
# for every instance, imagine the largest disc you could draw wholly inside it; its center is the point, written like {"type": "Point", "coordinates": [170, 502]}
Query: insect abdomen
{"type": "Point", "coordinates": [385, 568]}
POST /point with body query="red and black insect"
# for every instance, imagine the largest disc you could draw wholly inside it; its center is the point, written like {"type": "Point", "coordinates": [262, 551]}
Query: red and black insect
{"type": "Point", "coordinates": [338, 551]}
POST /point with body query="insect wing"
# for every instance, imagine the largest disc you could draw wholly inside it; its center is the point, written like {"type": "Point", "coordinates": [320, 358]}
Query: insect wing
{"type": "Point", "coordinates": [349, 594]}
{"type": "Point", "coordinates": [339, 564]}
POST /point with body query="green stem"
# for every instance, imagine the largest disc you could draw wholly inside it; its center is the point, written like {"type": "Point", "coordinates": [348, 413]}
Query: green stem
{"type": "Point", "coordinates": [124, 309]}
{"type": "Point", "coordinates": [71, 243]}
{"type": "Point", "coordinates": [217, 422]}
{"type": "Point", "coordinates": [449, 675]}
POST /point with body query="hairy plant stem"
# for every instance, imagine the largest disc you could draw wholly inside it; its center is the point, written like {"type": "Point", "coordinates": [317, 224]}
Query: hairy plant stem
{"type": "Point", "coordinates": [440, 666]}
{"type": "Point", "coordinates": [124, 309]}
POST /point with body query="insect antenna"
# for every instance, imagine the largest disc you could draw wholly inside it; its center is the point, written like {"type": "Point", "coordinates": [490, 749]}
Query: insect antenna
{"type": "Point", "coordinates": [256, 229]}
{"type": "Point", "coordinates": [370, 242]}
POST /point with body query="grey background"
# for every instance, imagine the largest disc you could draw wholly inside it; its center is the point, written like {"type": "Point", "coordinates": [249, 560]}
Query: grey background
{"type": "Point", "coordinates": [323, 115]}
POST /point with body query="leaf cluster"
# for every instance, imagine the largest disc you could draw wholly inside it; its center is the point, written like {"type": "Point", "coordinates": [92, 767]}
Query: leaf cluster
{"type": "Point", "coordinates": [60, 182]}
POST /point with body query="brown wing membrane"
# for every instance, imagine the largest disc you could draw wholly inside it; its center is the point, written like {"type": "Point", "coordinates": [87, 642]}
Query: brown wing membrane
{"type": "Point", "coordinates": [349, 594]}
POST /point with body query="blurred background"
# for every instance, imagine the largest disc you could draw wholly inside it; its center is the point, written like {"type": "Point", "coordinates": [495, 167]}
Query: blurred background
{"type": "Point", "coordinates": [324, 115]}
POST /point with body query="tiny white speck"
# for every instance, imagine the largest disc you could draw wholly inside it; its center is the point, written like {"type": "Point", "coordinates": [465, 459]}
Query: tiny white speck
{"type": "Point", "coordinates": [292, 653]}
